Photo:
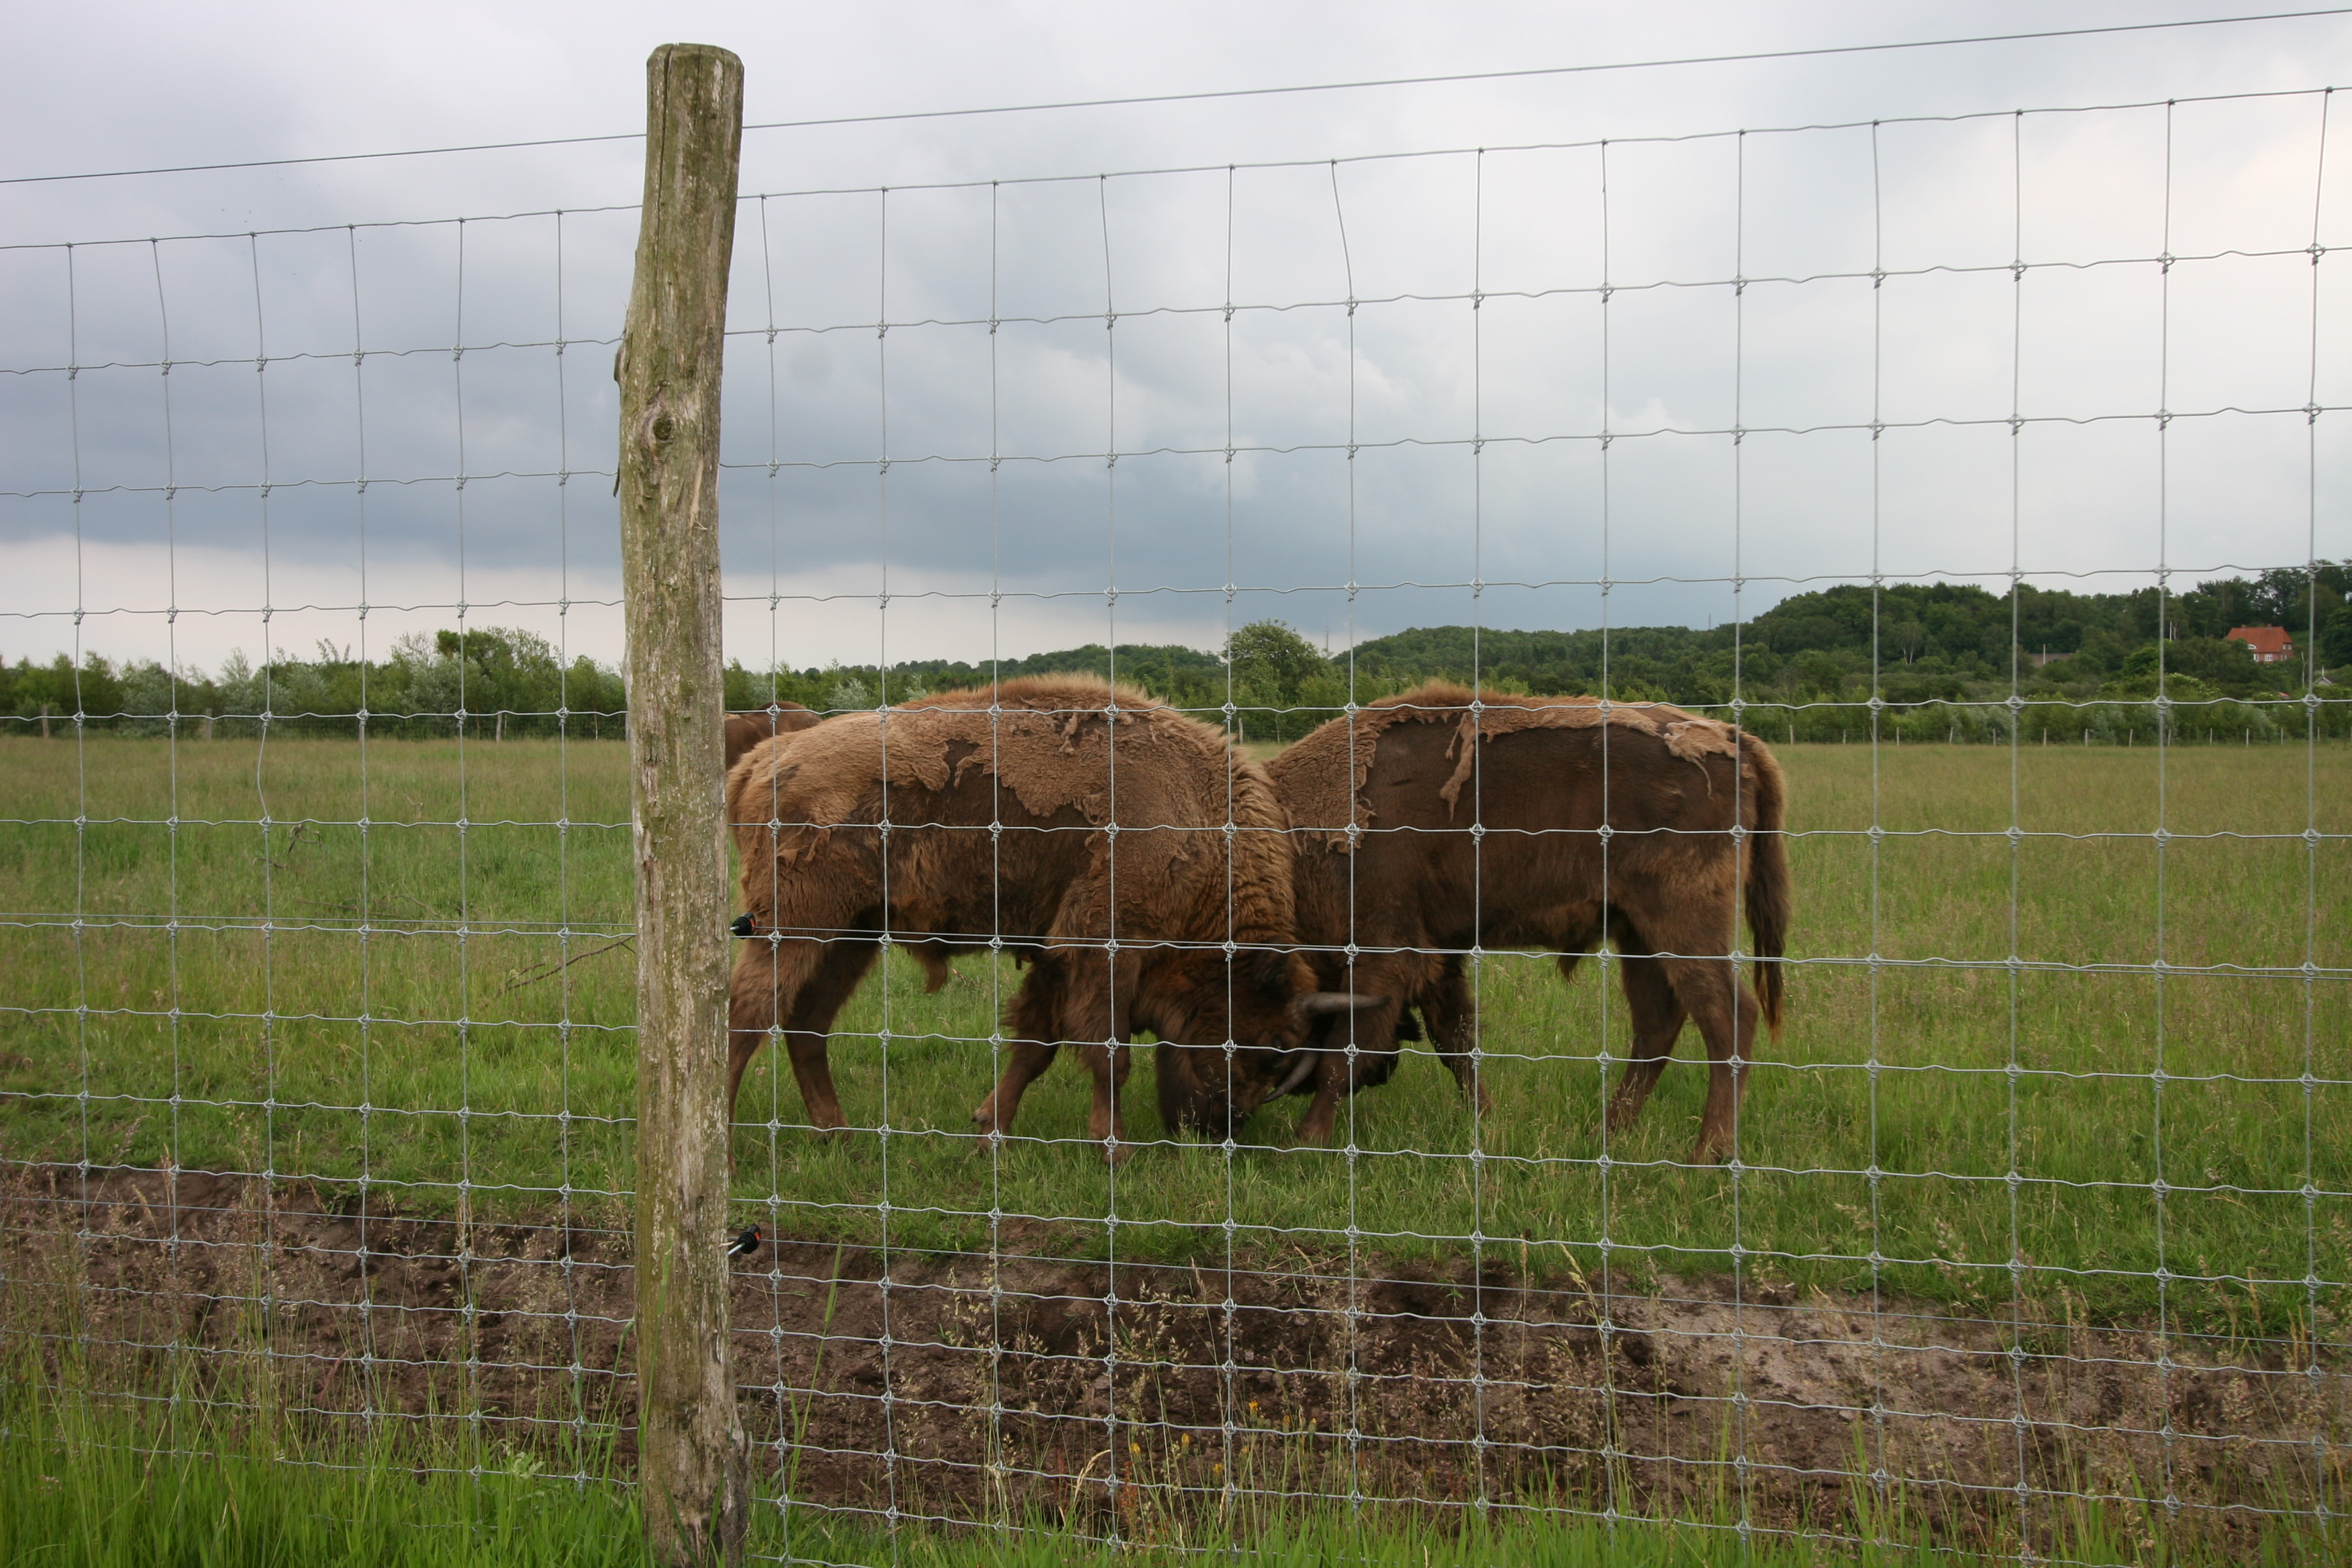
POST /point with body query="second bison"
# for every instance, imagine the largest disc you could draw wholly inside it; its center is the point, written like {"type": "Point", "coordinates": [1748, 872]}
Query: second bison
{"type": "Point", "coordinates": [1441, 822]}
{"type": "Point", "coordinates": [747, 730]}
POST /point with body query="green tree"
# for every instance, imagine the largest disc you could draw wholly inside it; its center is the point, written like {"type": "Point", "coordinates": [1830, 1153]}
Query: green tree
{"type": "Point", "coordinates": [1270, 655]}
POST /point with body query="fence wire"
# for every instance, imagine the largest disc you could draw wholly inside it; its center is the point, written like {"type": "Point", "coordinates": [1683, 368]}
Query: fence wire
{"type": "Point", "coordinates": [318, 1022]}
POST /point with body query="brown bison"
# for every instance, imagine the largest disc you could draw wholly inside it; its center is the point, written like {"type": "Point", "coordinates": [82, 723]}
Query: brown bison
{"type": "Point", "coordinates": [1433, 823]}
{"type": "Point", "coordinates": [745, 731]}
{"type": "Point", "coordinates": [1135, 860]}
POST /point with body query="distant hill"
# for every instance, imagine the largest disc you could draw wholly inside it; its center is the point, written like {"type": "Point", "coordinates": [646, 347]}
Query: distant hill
{"type": "Point", "coordinates": [1922, 640]}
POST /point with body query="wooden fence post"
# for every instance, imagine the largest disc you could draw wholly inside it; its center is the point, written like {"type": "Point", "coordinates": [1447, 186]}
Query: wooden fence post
{"type": "Point", "coordinates": [690, 1454]}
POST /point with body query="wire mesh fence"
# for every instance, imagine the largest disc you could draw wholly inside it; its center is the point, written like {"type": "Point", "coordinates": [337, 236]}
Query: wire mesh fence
{"type": "Point", "coordinates": [1468, 566]}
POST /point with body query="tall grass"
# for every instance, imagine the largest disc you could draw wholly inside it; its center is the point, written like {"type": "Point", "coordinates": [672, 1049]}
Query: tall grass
{"type": "Point", "coordinates": [190, 1482]}
{"type": "Point", "coordinates": [90, 1482]}
{"type": "Point", "coordinates": [433, 938]}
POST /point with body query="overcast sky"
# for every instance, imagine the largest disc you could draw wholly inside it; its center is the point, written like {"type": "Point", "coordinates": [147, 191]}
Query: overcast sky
{"type": "Point", "coordinates": [1469, 378]}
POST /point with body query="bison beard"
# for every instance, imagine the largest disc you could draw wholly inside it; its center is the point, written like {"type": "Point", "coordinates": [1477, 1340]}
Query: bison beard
{"type": "Point", "coordinates": [1385, 803]}
{"type": "Point", "coordinates": [986, 817]}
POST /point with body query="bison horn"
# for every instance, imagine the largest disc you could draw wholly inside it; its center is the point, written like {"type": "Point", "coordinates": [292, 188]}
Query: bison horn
{"type": "Point", "coordinates": [1316, 1001]}
{"type": "Point", "coordinates": [1297, 1075]}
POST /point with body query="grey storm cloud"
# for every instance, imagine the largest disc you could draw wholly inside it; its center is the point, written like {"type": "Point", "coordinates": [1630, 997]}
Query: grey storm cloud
{"type": "Point", "coordinates": [1363, 360]}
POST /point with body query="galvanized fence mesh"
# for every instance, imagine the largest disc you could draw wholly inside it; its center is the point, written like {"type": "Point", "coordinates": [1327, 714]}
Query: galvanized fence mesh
{"type": "Point", "coordinates": [318, 1016]}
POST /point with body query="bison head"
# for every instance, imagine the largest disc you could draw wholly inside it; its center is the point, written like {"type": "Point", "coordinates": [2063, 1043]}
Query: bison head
{"type": "Point", "coordinates": [1235, 1032]}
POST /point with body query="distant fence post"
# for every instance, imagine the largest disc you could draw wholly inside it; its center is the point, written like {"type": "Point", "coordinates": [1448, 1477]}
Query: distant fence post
{"type": "Point", "coordinates": [691, 1453]}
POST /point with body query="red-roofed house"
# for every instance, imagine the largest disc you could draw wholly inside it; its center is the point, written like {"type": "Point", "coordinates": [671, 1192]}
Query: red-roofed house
{"type": "Point", "coordinates": [2271, 644]}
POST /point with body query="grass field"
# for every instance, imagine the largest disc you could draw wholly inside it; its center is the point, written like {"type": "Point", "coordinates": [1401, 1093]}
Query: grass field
{"type": "Point", "coordinates": [233, 957]}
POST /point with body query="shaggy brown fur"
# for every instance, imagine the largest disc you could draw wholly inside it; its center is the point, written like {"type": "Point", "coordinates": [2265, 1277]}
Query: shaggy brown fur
{"type": "Point", "coordinates": [1010, 825]}
{"type": "Point", "coordinates": [1539, 822]}
{"type": "Point", "coordinates": [745, 731]}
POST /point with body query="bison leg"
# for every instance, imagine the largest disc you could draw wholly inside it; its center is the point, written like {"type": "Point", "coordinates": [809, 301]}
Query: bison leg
{"type": "Point", "coordinates": [1108, 1061]}
{"type": "Point", "coordinates": [933, 957]}
{"type": "Point", "coordinates": [1033, 1021]}
{"type": "Point", "coordinates": [1453, 1019]}
{"type": "Point", "coordinates": [817, 977]}
{"type": "Point", "coordinates": [1725, 1014]}
{"type": "Point", "coordinates": [1657, 1019]}
{"type": "Point", "coordinates": [1687, 922]}
{"type": "Point", "coordinates": [1331, 1085]}
{"type": "Point", "coordinates": [1730, 1026]}
{"type": "Point", "coordinates": [1095, 994]}
{"type": "Point", "coordinates": [820, 1001]}
{"type": "Point", "coordinates": [760, 985]}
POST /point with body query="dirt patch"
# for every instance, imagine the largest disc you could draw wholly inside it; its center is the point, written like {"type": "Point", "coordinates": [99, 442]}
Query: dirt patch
{"type": "Point", "coordinates": [960, 1384]}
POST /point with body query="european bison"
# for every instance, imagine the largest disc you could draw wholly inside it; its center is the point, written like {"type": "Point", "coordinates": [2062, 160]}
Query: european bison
{"type": "Point", "coordinates": [1431, 822]}
{"type": "Point", "coordinates": [1152, 895]}
{"type": "Point", "coordinates": [745, 731]}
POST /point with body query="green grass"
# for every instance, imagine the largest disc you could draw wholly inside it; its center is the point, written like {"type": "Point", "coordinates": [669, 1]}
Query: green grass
{"type": "Point", "coordinates": [229, 1481]}
{"type": "Point", "coordinates": [218, 1044]}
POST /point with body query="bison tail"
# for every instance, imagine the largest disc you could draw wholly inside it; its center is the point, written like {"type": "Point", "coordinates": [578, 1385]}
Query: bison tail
{"type": "Point", "coordinates": [1768, 877]}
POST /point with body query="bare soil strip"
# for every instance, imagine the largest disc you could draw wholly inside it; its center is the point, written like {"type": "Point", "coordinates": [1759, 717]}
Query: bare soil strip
{"type": "Point", "coordinates": [964, 1386]}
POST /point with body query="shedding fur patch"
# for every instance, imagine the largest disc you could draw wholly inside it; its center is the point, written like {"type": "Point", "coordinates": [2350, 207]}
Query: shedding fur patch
{"type": "Point", "coordinates": [1116, 756]}
{"type": "Point", "coordinates": [1322, 777]}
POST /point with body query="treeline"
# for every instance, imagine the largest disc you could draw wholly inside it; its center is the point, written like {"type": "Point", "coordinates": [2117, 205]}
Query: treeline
{"type": "Point", "coordinates": [493, 682]}
{"type": "Point", "coordinates": [1941, 661]}
{"type": "Point", "coordinates": [1919, 662]}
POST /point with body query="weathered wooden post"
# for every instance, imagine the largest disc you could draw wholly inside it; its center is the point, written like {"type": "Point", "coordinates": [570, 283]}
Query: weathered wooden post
{"type": "Point", "coordinates": [691, 1454]}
